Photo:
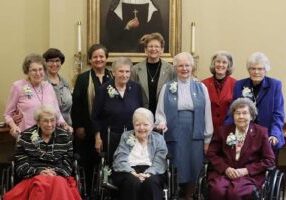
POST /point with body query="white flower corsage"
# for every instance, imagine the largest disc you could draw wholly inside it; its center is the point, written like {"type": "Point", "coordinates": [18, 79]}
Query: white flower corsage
{"type": "Point", "coordinates": [173, 87]}
{"type": "Point", "coordinates": [35, 138]}
{"type": "Point", "coordinates": [28, 91]}
{"type": "Point", "coordinates": [131, 140]}
{"type": "Point", "coordinates": [231, 139]}
{"type": "Point", "coordinates": [112, 92]}
{"type": "Point", "coordinates": [246, 92]}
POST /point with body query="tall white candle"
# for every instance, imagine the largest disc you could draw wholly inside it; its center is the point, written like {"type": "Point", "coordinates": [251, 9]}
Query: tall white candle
{"type": "Point", "coordinates": [193, 37]}
{"type": "Point", "coordinates": [79, 36]}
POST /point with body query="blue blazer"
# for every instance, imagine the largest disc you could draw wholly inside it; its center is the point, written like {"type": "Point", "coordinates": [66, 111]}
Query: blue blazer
{"type": "Point", "coordinates": [269, 103]}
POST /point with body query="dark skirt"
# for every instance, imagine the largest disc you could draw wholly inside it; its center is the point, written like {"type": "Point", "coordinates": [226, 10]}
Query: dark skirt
{"type": "Point", "coordinates": [187, 153]}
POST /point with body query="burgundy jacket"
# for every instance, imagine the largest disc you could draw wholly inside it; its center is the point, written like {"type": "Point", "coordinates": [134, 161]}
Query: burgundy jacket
{"type": "Point", "coordinates": [256, 154]}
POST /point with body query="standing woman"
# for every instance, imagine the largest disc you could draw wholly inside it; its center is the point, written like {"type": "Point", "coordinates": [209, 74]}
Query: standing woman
{"type": "Point", "coordinates": [54, 59]}
{"type": "Point", "coordinates": [220, 86]}
{"type": "Point", "coordinates": [84, 93]}
{"type": "Point", "coordinates": [267, 95]}
{"type": "Point", "coordinates": [114, 106]}
{"type": "Point", "coordinates": [184, 112]}
{"type": "Point", "coordinates": [153, 72]}
{"type": "Point", "coordinates": [26, 95]}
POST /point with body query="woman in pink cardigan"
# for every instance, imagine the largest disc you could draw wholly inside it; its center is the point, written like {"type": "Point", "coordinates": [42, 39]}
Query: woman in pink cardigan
{"type": "Point", "coordinates": [28, 94]}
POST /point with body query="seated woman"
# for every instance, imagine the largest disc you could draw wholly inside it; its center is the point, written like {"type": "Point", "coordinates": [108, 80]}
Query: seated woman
{"type": "Point", "coordinates": [44, 161]}
{"type": "Point", "coordinates": [240, 154]}
{"type": "Point", "coordinates": [140, 160]}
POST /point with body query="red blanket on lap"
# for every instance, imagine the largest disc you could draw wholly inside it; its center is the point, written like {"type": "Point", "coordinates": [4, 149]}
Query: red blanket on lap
{"type": "Point", "coordinates": [44, 188]}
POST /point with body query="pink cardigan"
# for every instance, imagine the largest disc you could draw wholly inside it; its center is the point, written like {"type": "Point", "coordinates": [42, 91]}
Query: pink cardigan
{"type": "Point", "coordinates": [24, 98]}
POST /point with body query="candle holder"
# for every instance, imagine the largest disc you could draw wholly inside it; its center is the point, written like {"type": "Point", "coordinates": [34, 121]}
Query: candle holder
{"type": "Point", "coordinates": [196, 64]}
{"type": "Point", "coordinates": [79, 58]}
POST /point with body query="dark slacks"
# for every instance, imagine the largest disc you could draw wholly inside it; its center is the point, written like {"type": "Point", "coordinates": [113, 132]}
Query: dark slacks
{"type": "Point", "coordinates": [131, 188]}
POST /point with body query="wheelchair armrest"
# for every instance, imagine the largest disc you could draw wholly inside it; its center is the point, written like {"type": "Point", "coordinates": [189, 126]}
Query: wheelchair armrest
{"type": "Point", "coordinates": [108, 185]}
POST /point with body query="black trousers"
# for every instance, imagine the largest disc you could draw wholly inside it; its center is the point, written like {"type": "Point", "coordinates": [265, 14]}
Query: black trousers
{"type": "Point", "coordinates": [131, 188]}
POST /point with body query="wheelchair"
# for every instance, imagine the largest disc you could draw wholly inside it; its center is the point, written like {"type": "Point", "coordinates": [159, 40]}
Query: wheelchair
{"type": "Point", "coordinates": [273, 187]}
{"type": "Point", "coordinates": [9, 178]}
{"type": "Point", "coordinates": [104, 189]}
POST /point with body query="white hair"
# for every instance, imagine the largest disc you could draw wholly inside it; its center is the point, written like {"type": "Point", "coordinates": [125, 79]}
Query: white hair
{"type": "Point", "coordinates": [258, 58]}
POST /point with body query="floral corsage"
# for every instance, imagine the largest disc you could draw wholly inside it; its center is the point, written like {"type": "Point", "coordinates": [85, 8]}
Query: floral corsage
{"type": "Point", "coordinates": [112, 92]}
{"type": "Point", "coordinates": [131, 140]}
{"type": "Point", "coordinates": [173, 87]}
{"type": "Point", "coordinates": [231, 139]}
{"type": "Point", "coordinates": [28, 91]}
{"type": "Point", "coordinates": [247, 92]}
{"type": "Point", "coordinates": [35, 138]}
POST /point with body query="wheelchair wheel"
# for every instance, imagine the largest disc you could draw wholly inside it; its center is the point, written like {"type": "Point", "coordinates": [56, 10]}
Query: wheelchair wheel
{"type": "Point", "coordinates": [279, 192]}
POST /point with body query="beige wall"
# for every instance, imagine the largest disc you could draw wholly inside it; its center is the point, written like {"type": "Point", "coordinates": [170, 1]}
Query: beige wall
{"type": "Point", "coordinates": [24, 29]}
{"type": "Point", "coordinates": [240, 27]}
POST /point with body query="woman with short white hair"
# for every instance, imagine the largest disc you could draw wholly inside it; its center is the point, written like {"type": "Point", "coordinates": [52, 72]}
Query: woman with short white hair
{"type": "Point", "coordinates": [267, 95]}
{"type": "Point", "coordinates": [184, 113]}
{"type": "Point", "coordinates": [43, 160]}
{"type": "Point", "coordinates": [115, 104]}
{"type": "Point", "coordinates": [140, 160]}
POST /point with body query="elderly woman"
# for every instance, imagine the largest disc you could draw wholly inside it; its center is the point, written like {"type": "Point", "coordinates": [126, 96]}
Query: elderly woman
{"type": "Point", "coordinates": [240, 154]}
{"type": "Point", "coordinates": [184, 112]}
{"type": "Point", "coordinates": [140, 160]}
{"type": "Point", "coordinates": [220, 86]}
{"type": "Point", "coordinates": [266, 93]}
{"type": "Point", "coordinates": [44, 161]}
{"type": "Point", "coordinates": [84, 94]}
{"type": "Point", "coordinates": [28, 94]}
{"type": "Point", "coordinates": [54, 59]}
{"type": "Point", "coordinates": [114, 106]}
{"type": "Point", "coordinates": [128, 20]}
{"type": "Point", "coordinates": [153, 72]}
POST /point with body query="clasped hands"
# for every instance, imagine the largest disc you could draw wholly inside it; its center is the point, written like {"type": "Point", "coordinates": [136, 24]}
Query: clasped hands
{"type": "Point", "coordinates": [48, 172]}
{"type": "Point", "coordinates": [232, 173]}
{"type": "Point", "coordinates": [141, 176]}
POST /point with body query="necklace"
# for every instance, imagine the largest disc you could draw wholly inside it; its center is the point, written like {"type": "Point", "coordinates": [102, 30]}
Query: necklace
{"type": "Point", "coordinates": [40, 98]}
{"type": "Point", "coordinates": [156, 72]}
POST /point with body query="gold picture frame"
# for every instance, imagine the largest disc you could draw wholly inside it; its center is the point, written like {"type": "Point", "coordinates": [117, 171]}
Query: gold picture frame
{"type": "Point", "coordinates": [95, 19]}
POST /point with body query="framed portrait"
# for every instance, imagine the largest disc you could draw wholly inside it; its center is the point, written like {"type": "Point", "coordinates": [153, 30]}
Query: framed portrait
{"type": "Point", "coordinates": [119, 25]}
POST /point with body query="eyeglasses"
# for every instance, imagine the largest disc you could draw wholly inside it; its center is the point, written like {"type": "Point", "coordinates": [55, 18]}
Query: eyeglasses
{"type": "Point", "coordinates": [36, 70]}
{"type": "Point", "coordinates": [186, 66]}
{"type": "Point", "coordinates": [58, 61]}
{"type": "Point", "coordinates": [154, 47]}
{"type": "Point", "coordinates": [241, 113]}
{"type": "Point", "coordinates": [46, 121]}
{"type": "Point", "coordinates": [259, 69]}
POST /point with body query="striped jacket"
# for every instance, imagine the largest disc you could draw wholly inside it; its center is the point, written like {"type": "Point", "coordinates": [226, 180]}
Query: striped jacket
{"type": "Point", "coordinates": [34, 155]}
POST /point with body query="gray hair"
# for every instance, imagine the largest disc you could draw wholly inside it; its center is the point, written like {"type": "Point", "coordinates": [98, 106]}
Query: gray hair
{"type": "Point", "coordinates": [140, 113]}
{"type": "Point", "coordinates": [183, 54]}
{"type": "Point", "coordinates": [243, 102]}
{"type": "Point", "coordinates": [258, 58]}
{"type": "Point", "coordinates": [221, 54]}
{"type": "Point", "coordinates": [121, 61]}
{"type": "Point", "coordinates": [45, 109]}
{"type": "Point", "coordinates": [33, 58]}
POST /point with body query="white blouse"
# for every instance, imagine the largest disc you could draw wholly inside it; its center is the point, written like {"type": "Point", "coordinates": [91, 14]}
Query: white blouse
{"type": "Point", "coordinates": [139, 155]}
